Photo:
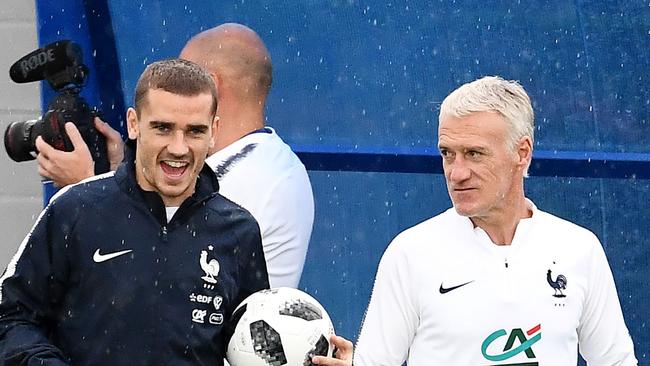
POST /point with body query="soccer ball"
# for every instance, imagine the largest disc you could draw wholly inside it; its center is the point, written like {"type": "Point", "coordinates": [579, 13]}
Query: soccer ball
{"type": "Point", "coordinates": [281, 326]}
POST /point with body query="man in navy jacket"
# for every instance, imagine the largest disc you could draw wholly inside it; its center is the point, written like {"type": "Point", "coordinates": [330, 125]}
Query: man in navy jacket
{"type": "Point", "coordinates": [143, 266]}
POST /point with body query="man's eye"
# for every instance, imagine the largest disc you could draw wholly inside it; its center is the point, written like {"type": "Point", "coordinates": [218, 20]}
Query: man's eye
{"type": "Point", "coordinates": [474, 154]}
{"type": "Point", "coordinates": [197, 131]}
{"type": "Point", "coordinates": [162, 128]}
{"type": "Point", "coordinates": [446, 154]}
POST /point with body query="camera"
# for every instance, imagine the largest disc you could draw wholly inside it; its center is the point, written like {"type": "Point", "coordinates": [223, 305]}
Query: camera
{"type": "Point", "coordinates": [61, 65]}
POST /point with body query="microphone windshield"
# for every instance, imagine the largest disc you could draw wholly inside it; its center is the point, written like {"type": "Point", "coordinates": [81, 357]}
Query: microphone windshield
{"type": "Point", "coordinates": [46, 61]}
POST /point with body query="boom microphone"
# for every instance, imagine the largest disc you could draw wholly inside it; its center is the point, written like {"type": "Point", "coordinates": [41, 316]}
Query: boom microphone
{"type": "Point", "coordinates": [46, 62]}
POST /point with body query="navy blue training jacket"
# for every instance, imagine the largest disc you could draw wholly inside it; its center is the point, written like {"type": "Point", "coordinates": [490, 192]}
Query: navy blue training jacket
{"type": "Point", "coordinates": [103, 279]}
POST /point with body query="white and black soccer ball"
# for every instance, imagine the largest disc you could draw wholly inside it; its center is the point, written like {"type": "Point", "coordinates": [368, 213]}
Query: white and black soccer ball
{"type": "Point", "coordinates": [281, 326]}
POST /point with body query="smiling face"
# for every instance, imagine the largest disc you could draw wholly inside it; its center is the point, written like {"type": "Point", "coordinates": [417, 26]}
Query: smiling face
{"type": "Point", "coordinates": [173, 135]}
{"type": "Point", "coordinates": [484, 175]}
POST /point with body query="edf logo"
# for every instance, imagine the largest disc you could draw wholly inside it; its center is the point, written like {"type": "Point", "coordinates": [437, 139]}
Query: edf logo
{"type": "Point", "coordinates": [509, 350]}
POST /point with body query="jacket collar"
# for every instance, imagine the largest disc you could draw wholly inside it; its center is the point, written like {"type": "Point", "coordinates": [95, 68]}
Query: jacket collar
{"type": "Point", "coordinates": [206, 187]}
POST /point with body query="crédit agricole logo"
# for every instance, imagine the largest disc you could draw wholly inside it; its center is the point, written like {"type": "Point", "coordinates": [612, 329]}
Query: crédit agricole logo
{"type": "Point", "coordinates": [516, 342]}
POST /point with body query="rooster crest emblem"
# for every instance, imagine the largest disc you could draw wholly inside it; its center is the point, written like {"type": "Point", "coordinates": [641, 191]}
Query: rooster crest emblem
{"type": "Point", "coordinates": [210, 268]}
{"type": "Point", "coordinates": [558, 285]}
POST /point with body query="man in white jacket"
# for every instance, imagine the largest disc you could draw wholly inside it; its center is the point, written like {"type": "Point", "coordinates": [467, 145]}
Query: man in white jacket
{"type": "Point", "coordinates": [493, 280]}
{"type": "Point", "coordinates": [255, 168]}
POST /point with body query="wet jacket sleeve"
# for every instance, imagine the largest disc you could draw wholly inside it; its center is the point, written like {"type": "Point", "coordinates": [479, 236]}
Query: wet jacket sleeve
{"type": "Point", "coordinates": [391, 319]}
{"type": "Point", "coordinates": [30, 290]}
{"type": "Point", "coordinates": [251, 261]}
{"type": "Point", "coordinates": [253, 275]}
{"type": "Point", "coordinates": [602, 335]}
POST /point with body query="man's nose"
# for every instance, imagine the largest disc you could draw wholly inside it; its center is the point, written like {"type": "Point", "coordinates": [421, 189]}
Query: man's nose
{"type": "Point", "coordinates": [178, 146]}
{"type": "Point", "coordinates": [459, 170]}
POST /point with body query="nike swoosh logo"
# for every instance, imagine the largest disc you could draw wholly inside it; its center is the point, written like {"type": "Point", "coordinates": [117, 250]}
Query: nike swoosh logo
{"type": "Point", "coordinates": [445, 290]}
{"type": "Point", "coordinates": [98, 257]}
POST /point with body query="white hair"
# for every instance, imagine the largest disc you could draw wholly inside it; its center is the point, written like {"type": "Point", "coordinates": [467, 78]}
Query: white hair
{"type": "Point", "coordinates": [494, 94]}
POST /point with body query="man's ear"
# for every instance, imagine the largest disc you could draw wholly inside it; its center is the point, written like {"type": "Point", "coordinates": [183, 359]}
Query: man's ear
{"type": "Point", "coordinates": [524, 151]}
{"type": "Point", "coordinates": [132, 123]}
{"type": "Point", "coordinates": [216, 80]}
{"type": "Point", "coordinates": [213, 138]}
{"type": "Point", "coordinates": [218, 83]}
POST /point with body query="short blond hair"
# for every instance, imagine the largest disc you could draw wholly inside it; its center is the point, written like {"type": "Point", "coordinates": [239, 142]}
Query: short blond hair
{"type": "Point", "coordinates": [494, 94]}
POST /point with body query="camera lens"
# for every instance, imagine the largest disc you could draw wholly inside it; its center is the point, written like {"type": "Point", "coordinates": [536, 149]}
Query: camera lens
{"type": "Point", "coordinates": [18, 141]}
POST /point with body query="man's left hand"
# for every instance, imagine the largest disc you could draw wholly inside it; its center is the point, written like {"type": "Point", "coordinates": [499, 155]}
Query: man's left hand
{"type": "Point", "coordinates": [343, 354]}
{"type": "Point", "coordinates": [65, 167]}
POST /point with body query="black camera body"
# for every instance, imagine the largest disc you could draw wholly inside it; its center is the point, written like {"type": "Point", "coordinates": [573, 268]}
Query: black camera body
{"type": "Point", "coordinates": [61, 64]}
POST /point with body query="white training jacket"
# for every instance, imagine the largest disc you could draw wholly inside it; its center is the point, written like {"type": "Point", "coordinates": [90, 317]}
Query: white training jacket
{"type": "Point", "coordinates": [446, 295]}
{"type": "Point", "coordinates": [260, 173]}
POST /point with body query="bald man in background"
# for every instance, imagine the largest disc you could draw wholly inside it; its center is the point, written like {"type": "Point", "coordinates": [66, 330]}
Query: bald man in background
{"type": "Point", "coordinates": [254, 167]}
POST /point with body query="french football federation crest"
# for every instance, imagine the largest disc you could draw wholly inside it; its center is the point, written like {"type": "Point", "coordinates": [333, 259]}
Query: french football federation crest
{"type": "Point", "coordinates": [211, 268]}
{"type": "Point", "coordinates": [558, 284]}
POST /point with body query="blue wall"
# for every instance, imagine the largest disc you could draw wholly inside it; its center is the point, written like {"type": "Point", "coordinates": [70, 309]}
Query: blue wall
{"type": "Point", "coordinates": [369, 76]}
